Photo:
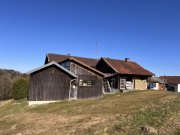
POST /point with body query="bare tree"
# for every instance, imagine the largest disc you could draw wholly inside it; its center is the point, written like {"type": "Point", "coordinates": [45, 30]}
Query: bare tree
{"type": "Point", "coordinates": [7, 78]}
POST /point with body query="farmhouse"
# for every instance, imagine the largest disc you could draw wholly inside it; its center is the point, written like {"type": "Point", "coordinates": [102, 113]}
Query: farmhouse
{"type": "Point", "coordinates": [173, 83]}
{"type": "Point", "coordinates": [71, 77]}
{"type": "Point", "coordinates": [123, 75]}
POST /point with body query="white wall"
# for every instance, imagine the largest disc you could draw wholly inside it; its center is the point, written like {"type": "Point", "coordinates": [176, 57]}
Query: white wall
{"type": "Point", "coordinates": [41, 102]}
{"type": "Point", "coordinates": [178, 87]}
{"type": "Point", "coordinates": [157, 86]}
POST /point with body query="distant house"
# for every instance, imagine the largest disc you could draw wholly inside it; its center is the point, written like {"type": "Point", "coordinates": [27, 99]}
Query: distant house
{"type": "Point", "coordinates": [156, 83]}
{"type": "Point", "coordinates": [71, 77]}
{"type": "Point", "coordinates": [123, 75]}
{"type": "Point", "coordinates": [173, 83]}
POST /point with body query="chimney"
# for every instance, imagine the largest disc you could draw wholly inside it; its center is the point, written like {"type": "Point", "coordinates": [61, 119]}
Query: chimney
{"type": "Point", "coordinates": [126, 59]}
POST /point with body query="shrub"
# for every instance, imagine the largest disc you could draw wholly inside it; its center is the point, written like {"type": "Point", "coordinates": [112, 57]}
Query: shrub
{"type": "Point", "coordinates": [20, 88]}
{"type": "Point", "coordinates": [7, 79]}
{"type": "Point", "coordinates": [5, 87]}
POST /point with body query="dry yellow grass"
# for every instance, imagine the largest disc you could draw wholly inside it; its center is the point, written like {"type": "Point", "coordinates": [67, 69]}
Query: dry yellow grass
{"type": "Point", "coordinates": [113, 114]}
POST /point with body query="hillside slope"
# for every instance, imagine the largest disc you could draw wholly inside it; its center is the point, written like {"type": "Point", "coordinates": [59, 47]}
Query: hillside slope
{"type": "Point", "coordinates": [124, 113]}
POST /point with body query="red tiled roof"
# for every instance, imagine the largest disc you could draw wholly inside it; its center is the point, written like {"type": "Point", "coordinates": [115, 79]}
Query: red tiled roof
{"type": "Point", "coordinates": [59, 58]}
{"type": "Point", "coordinates": [171, 79]}
{"type": "Point", "coordinates": [123, 67]}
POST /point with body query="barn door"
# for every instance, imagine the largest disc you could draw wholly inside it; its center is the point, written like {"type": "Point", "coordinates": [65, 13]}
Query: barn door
{"type": "Point", "coordinates": [73, 92]}
{"type": "Point", "coordinates": [122, 84]}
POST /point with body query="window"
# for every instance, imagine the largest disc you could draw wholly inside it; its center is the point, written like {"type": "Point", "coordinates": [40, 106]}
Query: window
{"type": "Point", "coordinates": [86, 82]}
{"type": "Point", "coordinates": [63, 65]}
{"type": "Point", "coordinates": [80, 82]}
{"type": "Point", "coordinates": [66, 65]}
{"type": "Point", "coordinates": [89, 83]}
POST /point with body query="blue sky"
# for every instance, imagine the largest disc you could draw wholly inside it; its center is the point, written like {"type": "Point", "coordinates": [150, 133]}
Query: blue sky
{"type": "Point", "coordinates": [146, 31]}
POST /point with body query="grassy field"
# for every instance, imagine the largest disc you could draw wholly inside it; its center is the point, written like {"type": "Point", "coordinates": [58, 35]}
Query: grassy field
{"type": "Point", "coordinates": [124, 113]}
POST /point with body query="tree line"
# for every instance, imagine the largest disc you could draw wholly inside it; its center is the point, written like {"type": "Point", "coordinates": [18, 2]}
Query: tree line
{"type": "Point", "coordinates": [13, 84]}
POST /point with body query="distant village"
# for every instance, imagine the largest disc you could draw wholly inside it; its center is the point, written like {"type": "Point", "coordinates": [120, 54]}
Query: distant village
{"type": "Point", "coordinates": [72, 77]}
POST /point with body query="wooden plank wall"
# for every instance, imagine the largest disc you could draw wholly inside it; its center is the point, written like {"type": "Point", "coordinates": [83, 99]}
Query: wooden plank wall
{"type": "Point", "coordinates": [93, 91]}
{"type": "Point", "coordinates": [84, 74]}
{"type": "Point", "coordinates": [49, 84]}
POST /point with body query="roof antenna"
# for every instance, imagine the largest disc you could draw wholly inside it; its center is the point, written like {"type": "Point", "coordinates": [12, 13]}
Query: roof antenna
{"type": "Point", "coordinates": [97, 51]}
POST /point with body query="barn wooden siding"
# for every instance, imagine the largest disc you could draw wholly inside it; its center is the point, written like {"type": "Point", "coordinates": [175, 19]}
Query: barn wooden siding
{"type": "Point", "coordinates": [48, 84]}
{"type": "Point", "coordinates": [93, 91]}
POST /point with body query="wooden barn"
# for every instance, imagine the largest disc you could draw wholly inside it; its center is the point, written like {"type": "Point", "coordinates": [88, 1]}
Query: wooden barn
{"type": "Point", "coordinates": [123, 75]}
{"type": "Point", "coordinates": [50, 83]}
{"type": "Point", "coordinates": [67, 78]}
{"type": "Point", "coordinates": [89, 82]}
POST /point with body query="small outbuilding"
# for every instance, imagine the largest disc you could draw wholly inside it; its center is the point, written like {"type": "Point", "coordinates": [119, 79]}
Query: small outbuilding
{"type": "Point", "coordinates": [156, 83]}
{"type": "Point", "coordinates": [173, 83]}
{"type": "Point", "coordinates": [50, 83]}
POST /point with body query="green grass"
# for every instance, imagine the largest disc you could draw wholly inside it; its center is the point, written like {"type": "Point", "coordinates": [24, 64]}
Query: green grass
{"type": "Point", "coordinates": [156, 115]}
{"type": "Point", "coordinates": [123, 113]}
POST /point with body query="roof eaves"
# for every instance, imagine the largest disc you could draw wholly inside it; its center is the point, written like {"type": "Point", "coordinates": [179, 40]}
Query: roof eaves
{"type": "Point", "coordinates": [149, 72]}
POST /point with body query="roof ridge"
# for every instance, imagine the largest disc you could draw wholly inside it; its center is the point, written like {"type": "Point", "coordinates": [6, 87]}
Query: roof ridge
{"type": "Point", "coordinates": [127, 67]}
{"type": "Point", "coordinates": [71, 56]}
{"type": "Point", "coordinates": [117, 59]}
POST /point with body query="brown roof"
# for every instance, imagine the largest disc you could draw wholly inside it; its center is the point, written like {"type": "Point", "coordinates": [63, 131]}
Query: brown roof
{"type": "Point", "coordinates": [119, 66]}
{"type": "Point", "coordinates": [156, 80]}
{"type": "Point", "coordinates": [171, 79]}
{"type": "Point", "coordinates": [59, 58]}
{"type": "Point", "coordinates": [123, 67]}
